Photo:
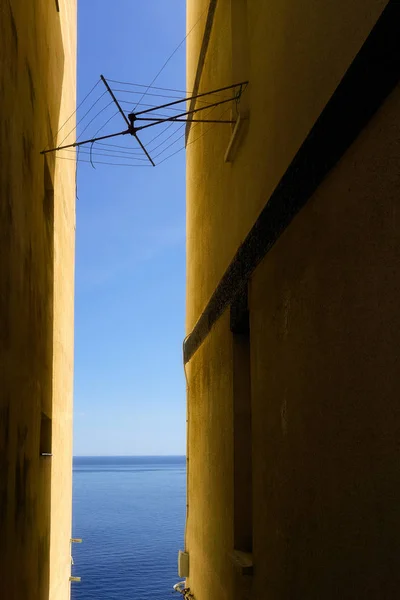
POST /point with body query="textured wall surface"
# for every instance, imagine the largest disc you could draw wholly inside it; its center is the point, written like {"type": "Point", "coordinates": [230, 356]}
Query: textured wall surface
{"type": "Point", "coordinates": [324, 324]}
{"type": "Point", "coordinates": [63, 329]}
{"type": "Point", "coordinates": [210, 468]}
{"type": "Point", "coordinates": [37, 215]}
{"type": "Point", "coordinates": [297, 54]}
{"type": "Point", "coordinates": [325, 330]}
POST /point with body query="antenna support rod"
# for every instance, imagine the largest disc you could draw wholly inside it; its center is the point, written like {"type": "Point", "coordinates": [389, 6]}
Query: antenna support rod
{"type": "Point", "coordinates": [187, 120]}
{"type": "Point", "coordinates": [144, 149]}
{"type": "Point", "coordinates": [228, 87]}
{"type": "Point", "coordinates": [115, 100]}
{"type": "Point", "coordinates": [75, 144]}
{"type": "Point", "coordinates": [189, 112]}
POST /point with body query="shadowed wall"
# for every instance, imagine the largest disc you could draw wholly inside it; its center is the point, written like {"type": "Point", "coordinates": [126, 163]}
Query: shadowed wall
{"type": "Point", "coordinates": [37, 215]}
{"type": "Point", "coordinates": [320, 407]}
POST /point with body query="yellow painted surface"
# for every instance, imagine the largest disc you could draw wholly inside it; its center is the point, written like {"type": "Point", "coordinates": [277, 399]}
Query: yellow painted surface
{"type": "Point", "coordinates": [37, 91]}
{"type": "Point", "coordinates": [298, 52]}
{"type": "Point", "coordinates": [325, 359]}
{"type": "Point", "coordinates": [324, 321]}
{"type": "Point", "coordinates": [63, 333]}
{"type": "Point", "coordinates": [210, 533]}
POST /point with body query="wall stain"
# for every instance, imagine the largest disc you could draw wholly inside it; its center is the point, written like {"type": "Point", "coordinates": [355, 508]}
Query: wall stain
{"type": "Point", "coordinates": [6, 217]}
{"type": "Point", "coordinates": [43, 564]}
{"type": "Point", "coordinates": [31, 85]}
{"type": "Point", "coordinates": [22, 436]}
{"type": "Point", "coordinates": [27, 150]}
{"type": "Point", "coordinates": [20, 490]}
{"type": "Point", "coordinates": [28, 270]}
{"type": "Point", "coordinates": [14, 30]}
{"type": "Point", "coordinates": [4, 439]}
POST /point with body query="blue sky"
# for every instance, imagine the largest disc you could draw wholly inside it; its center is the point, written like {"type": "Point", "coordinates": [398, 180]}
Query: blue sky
{"type": "Point", "coordinates": [130, 252]}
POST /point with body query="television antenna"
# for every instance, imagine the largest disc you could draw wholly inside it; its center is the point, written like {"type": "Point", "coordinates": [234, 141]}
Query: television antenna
{"type": "Point", "coordinates": [138, 121]}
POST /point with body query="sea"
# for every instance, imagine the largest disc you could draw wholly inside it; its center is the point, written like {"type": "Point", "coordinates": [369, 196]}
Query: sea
{"type": "Point", "coordinates": [130, 513]}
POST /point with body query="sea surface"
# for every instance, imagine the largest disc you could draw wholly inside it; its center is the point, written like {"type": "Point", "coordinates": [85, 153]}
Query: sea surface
{"type": "Point", "coordinates": [130, 513]}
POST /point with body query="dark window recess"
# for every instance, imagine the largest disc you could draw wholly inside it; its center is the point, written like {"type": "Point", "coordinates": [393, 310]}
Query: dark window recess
{"type": "Point", "coordinates": [242, 434]}
{"type": "Point", "coordinates": [57, 6]}
{"type": "Point", "coordinates": [45, 435]}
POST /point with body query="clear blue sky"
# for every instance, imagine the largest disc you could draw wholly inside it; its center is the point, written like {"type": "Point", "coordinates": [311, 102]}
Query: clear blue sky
{"type": "Point", "coordinates": [130, 252]}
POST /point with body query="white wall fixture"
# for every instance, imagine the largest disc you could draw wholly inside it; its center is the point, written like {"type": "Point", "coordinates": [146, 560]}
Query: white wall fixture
{"type": "Point", "coordinates": [183, 564]}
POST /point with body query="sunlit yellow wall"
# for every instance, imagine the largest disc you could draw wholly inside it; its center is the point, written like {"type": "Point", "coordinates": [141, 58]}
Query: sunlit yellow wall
{"type": "Point", "coordinates": [298, 52]}
{"type": "Point", "coordinates": [63, 336]}
{"type": "Point", "coordinates": [210, 482]}
{"type": "Point", "coordinates": [324, 324]}
{"type": "Point", "coordinates": [37, 93]}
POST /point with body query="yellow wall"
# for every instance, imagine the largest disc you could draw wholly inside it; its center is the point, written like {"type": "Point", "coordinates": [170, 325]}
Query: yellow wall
{"type": "Point", "coordinates": [325, 330]}
{"type": "Point", "coordinates": [63, 334]}
{"type": "Point", "coordinates": [298, 52]}
{"type": "Point", "coordinates": [37, 91]}
{"type": "Point", "coordinates": [324, 323]}
{"type": "Point", "coordinates": [210, 482]}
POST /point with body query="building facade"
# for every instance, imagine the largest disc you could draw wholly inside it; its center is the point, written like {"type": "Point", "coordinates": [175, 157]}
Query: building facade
{"type": "Point", "coordinates": [293, 330]}
{"type": "Point", "coordinates": [37, 233]}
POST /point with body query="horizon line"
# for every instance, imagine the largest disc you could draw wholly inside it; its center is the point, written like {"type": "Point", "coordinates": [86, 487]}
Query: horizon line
{"type": "Point", "coordinates": [127, 455]}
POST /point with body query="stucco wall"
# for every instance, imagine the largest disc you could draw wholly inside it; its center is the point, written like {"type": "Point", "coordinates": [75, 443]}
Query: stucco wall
{"type": "Point", "coordinates": [210, 469]}
{"type": "Point", "coordinates": [36, 247]}
{"type": "Point", "coordinates": [63, 327]}
{"type": "Point", "coordinates": [325, 357]}
{"type": "Point", "coordinates": [298, 53]}
{"type": "Point", "coordinates": [323, 322]}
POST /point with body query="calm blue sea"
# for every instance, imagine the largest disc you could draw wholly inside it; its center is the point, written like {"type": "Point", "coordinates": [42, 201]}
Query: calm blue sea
{"type": "Point", "coordinates": [130, 512]}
